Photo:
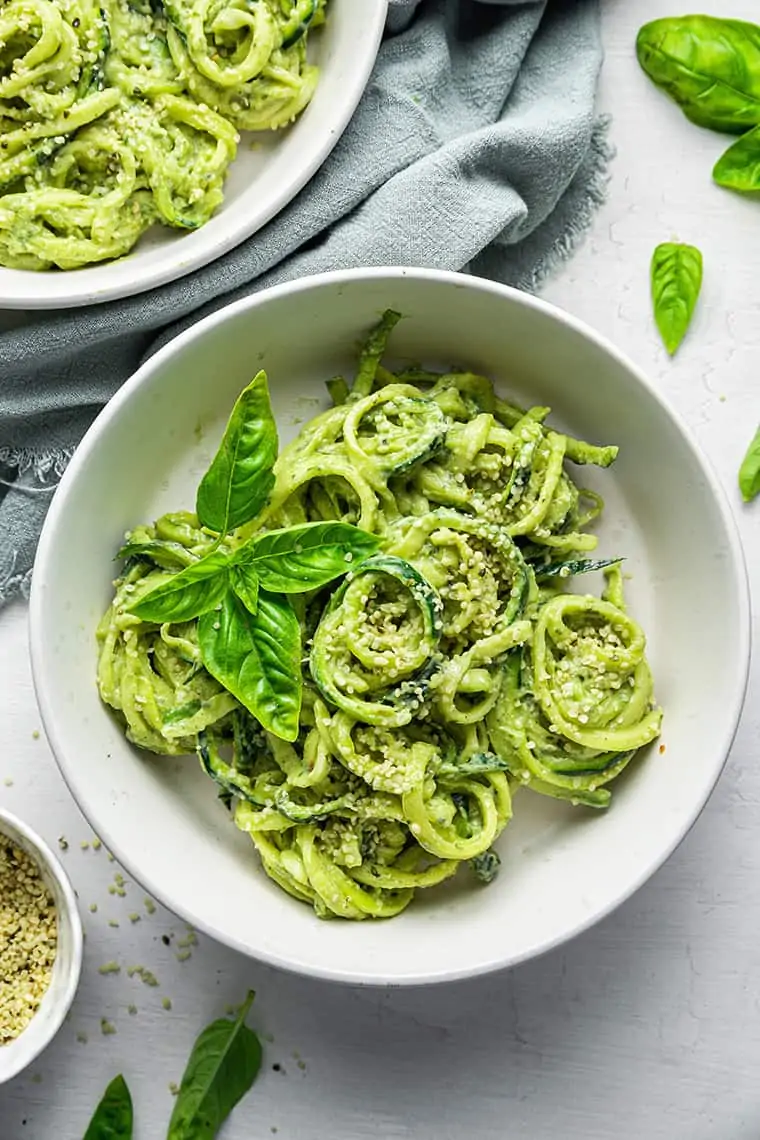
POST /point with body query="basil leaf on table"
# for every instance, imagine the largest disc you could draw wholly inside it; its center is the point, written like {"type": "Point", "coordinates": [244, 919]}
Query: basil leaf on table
{"type": "Point", "coordinates": [676, 281]}
{"type": "Point", "coordinates": [738, 168]}
{"type": "Point", "coordinates": [257, 657]}
{"type": "Point", "coordinates": [113, 1118]}
{"type": "Point", "coordinates": [303, 558]}
{"type": "Point", "coordinates": [239, 481]}
{"type": "Point", "coordinates": [222, 1067]}
{"type": "Point", "coordinates": [709, 66]}
{"type": "Point", "coordinates": [749, 472]}
{"type": "Point", "coordinates": [192, 592]}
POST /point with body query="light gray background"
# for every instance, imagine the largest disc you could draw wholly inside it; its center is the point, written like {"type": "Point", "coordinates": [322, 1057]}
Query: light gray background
{"type": "Point", "coordinates": [649, 1025]}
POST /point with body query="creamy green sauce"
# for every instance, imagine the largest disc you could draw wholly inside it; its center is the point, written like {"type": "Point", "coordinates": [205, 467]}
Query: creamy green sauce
{"type": "Point", "coordinates": [119, 114]}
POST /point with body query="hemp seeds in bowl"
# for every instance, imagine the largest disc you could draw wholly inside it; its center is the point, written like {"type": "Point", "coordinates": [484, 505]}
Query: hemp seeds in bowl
{"type": "Point", "coordinates": [40, 945]}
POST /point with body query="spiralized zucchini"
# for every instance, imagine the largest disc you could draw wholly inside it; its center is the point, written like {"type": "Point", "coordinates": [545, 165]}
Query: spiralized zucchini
{"type": "Point", "coordinates": [444, 673]}
{"type": "Point", "coordinates": [117, 114]}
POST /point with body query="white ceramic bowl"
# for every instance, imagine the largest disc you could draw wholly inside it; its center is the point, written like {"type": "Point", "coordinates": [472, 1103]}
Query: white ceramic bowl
{"type": "Point", "coordinates": [17, 1054]}
{"type": "Point", "coordinates": [260, 182]}
{"type": "Point", "coordinates": [563, 868]}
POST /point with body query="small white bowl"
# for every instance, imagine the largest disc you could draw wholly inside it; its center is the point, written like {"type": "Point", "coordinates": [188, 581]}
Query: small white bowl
{"type": "Point", "coordinates": [259, 184]}
{"type": "Point", "coordinates": [563, 868]}
{"type": "Point", "coordinates": [19, 1053]}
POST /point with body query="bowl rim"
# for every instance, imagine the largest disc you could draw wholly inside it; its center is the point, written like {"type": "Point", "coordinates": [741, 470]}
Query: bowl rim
{"type": "Point", "coordinates": [346, 277]}
{"type": "Point", "coordinates": [99, 288]}
{"type": "Point", "coordinates": [44, 855]}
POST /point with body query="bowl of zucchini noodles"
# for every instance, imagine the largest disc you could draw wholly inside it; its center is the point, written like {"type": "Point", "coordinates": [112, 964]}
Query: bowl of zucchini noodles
{"type": "Point", "coordinates": [369, 627]}
{"type": "Point", "coordinates": [142, 139]}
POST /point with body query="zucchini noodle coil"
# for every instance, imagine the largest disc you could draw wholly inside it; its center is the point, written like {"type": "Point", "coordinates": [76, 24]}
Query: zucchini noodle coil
{"type": "Point", "coordinates": [117, 114]}
{"type": "Point", "coordinates": [446, 672]}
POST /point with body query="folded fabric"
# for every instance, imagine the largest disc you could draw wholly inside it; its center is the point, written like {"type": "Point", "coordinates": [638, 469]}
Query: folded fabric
{"type": "Point", "coordinates": [475, 147]}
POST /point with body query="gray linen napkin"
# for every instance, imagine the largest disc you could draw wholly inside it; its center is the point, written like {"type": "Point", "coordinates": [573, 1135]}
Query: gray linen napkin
{"type": "Point", "coordinates": [475, 148]}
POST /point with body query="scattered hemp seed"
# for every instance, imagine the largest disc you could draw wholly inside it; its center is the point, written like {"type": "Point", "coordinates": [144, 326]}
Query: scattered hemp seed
{"type": "Point", "coordinates": [131, 1009]}
{"type": "Point", "coordinates": [110, 968]}
{"type": "Point", "coordinates": [107, 1028]}
{"type": "Point", "coordinates": [96, 844]}
{"type": "Point", "coordinates": [150, 906]}
{"type": "Point", "coordinates": [134, 917]}
{"type": "Point", "coordinates": [183, 955]}
{"type": "Point", "coordinates": [167, 1003]}
{"type": "Point", "coordinates": [93, 908]}
{"type": "Point", "coordinates": [145, 976]}
{"type": "Point", "coordinates": [173, 1088]}
{"type": "Point", "coordinates": [36, 734]}
{"type": "Point", "coordinates": [84, 845]}
{"type": "Point", "coordinates": [8, 782]}
{"type": "Point", "coordinates": [112, 922]}
{"type": "Point", "coordinates": [28, 939]}
{"type": "Point", "coordinates": [82, 1038]}
{"type": "Point", "coordinates": [190, 939]}
{"type": "Point", "coordinates": [111, 858]}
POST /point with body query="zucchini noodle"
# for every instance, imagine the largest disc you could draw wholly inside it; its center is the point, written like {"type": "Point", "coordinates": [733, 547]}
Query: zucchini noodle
{"type": "Point", "coordinates": [441, 675]}
{"type": "Point", "coordinates": [117, 114]}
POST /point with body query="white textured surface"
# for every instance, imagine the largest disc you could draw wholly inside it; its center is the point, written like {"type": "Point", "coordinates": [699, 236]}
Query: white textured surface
{"type": "Point", "coordinates": [649, 1025]}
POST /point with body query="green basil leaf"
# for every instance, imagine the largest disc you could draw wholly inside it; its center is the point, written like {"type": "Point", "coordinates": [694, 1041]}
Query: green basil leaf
{"type": "Point", "coordinates": [676, 281]}
{"type": "Point", "coordinates": [246, 586]}
{"type": "Point", "coordinates": [223, 1065]}
{"type": "Point", "coordinates": [303, 558]}
{"type": "Point", "coordinates": [113, 1118]}
{"type": "Point", "coordinates": [239, 481]}
{"type": "Point", "coordinates": [739, 167]}
{"type": "Point", "coordinates": [709, 66]}
{"type": "Point", "coordinates": [257, 657]}
{"type": "Point", "coordinates": [749, 472]}
{"type": "Point", "coordinates": [192, 592]}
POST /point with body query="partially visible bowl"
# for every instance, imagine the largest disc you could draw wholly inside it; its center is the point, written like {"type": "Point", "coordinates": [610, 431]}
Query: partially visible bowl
{"type": "Point", "coordinates": [562, 870]}
{"type": "Point", "coordinates": [260, 182]}
{"type": "Point", "coordinates": [16, 1055]}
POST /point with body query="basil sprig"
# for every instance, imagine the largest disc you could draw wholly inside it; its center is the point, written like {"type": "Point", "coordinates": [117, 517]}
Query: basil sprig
{"type": "Point", "coordinates": [224, 1063]}
{"type": "Point", "coordinates": [248, 633]}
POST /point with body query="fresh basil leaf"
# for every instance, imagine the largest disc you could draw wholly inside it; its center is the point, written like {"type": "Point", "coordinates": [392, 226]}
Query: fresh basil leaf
{"type": "Point", "coordinates": [676, 281]}
{"type": "Point", "coordinates": [749, 472]}
{"type": "Point", "coordinates": [239, 481]}
{"type": "Point", "coordinates": [738, 168]}
{"type": "Point", "coordinates": [303, 558]}
{"type": "Point", "coordinates": [709, 66]}
{"type": "Point", "coordinates": [575, 566]}
{"type": "Point", "coordinates": [223, 1065]}
{"type": "Point", "coordinates": [257, 657]}
{"type": "Point", "coordinates": [246, 586]}
{"type": "Point", "coordinates": [192, 592]}
{"type": "Point", "coordinates": [113, 1118]}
